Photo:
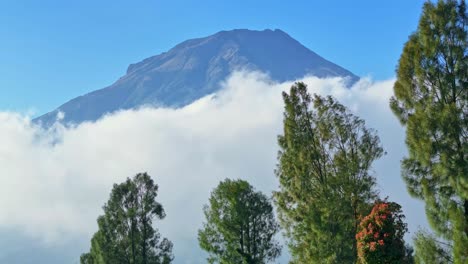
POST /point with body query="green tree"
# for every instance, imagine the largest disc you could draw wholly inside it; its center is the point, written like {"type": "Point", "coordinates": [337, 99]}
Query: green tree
{"type": "Point", "coordinates": [430, 251]}
{"type": "Point", "coordinates": [126, 233]}
{"type": "Point", "coordinates": [431, 101]}
{"type": "Point", "coordinates": [240, 225]}
{"type": "Point", "coordinates": [324, 166]}
{"type": "Point", "coordinates": [380, 236]}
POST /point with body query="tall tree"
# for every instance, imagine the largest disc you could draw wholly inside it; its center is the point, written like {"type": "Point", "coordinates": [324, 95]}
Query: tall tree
{"type": "Point", "coordinates": [380, 236]}
{"type": "Point", "coordinates": [126, 233]}
{"type": "Point", "coordinates": [324, 166]}
{"type": "Point", "coordinates": [240, 225]}
{"type": "Point", "coordinates": [431, 101]}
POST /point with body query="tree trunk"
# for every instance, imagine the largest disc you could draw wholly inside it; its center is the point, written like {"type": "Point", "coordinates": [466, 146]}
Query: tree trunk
{"type": "Point", "coordinates": [465, 205]}
{"type": "Point", "coordinates": [133, 240]}
{"type": "Point", "coordinates": [144, 241]}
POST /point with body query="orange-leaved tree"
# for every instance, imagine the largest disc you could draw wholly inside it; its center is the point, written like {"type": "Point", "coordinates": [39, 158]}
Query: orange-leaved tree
{"type": "Point", "coordinates": [380, 235]}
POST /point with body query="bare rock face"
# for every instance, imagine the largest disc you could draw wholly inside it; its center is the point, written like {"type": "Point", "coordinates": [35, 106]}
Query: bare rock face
{"type": "Point", "coordinates": [195, 68]}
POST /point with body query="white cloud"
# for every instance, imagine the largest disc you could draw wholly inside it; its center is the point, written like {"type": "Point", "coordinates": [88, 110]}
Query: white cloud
{"type": "Point", "coordinates": [54, 182]}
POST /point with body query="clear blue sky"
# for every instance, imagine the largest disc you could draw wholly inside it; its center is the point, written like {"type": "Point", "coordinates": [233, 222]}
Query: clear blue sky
{"type": "Point", "coordinates": [54, 50]}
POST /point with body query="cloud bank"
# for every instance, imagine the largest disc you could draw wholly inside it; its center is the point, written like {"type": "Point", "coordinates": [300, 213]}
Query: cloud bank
{"type": "Point", "coordinates": [54, 182]}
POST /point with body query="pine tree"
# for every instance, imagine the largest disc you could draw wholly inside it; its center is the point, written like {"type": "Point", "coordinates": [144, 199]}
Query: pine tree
{"type": "Point", "coordinates": [431, 101]}
{"type": "Point", "coordinates": [126, 233]}
{"type": "Point", "coordinates": [324, 166]}
{"type": "Point", "coordinates": [240, 225]}
{"type": "Point", "coordinates": [430, 251]}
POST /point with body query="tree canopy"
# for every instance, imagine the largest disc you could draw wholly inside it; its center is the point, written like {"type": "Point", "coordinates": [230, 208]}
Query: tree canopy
{"type": "Point", "coordinates": [430, 251]}
{"type": "Point", "coordinates": [380, 236]}
{"type": "Point", "coordinates": [324, 165]}
{"type": "Point", "coordinates": [126, 233]}
{"type": "Point", "coordinates": [240, 225]}
{"type": "Point", "coordinates": [431, 101]}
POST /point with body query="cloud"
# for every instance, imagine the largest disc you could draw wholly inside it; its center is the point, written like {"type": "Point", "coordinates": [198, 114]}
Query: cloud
{"type": "Point", "coordinates": [54, 182]}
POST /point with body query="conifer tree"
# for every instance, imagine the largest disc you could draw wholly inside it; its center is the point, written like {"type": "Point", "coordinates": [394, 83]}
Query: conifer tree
{"type": "Point", "coordinates": [431, 101]}
{"type": "Point", "coordinates": [324, 164]}
{"type": "Point", "coordinates": [428, 250]}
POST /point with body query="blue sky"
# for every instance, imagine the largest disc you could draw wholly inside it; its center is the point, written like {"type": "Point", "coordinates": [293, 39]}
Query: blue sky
{"type": "Point", "coordinates": [52, 51]}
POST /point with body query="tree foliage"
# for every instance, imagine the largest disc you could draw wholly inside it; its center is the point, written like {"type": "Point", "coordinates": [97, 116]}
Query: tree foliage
{"type": "Point", "coordinates": [380, 236]}
{"type": "Point", "coordinates": [430, 251]}
{"type": "Point", "coordinates": [431, 100]}
{"type": "Point", "coordinates": [126, 233]}
{"type": "Point", "coordinates": [240, 225]}
{"type": "Point", "coordinates": [324, 166]}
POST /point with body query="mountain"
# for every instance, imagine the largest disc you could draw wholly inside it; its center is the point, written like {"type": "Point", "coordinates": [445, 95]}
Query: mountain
{"type": "Point", "coordinates": [195, 68]}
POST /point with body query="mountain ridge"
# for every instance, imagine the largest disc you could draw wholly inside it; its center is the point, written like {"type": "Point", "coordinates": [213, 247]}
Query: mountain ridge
{"type": "Point", "coordinates": [194, 68]}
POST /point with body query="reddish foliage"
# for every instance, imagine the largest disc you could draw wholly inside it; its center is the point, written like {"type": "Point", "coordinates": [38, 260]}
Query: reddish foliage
{"type": "Point", "coordinates": [380, 234]}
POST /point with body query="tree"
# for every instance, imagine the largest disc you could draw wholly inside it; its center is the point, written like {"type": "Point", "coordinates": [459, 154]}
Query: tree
{"type": "Point", "coordinates": [430, 251]}
{"type": "Point", "coordinates": [380, 236]}
{"type": "Point", "coordinates": [431, 101]}
{"type": "Point", "coordinates": [240, 225]}
{"type": "Point", "coordinates": [126, 233]}
{"type": "Point", "coordinates": [324, 166]}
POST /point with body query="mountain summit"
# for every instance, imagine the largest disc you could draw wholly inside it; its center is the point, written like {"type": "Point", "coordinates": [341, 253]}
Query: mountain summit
{"type": "Point", "coordinates": [195, 68]}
